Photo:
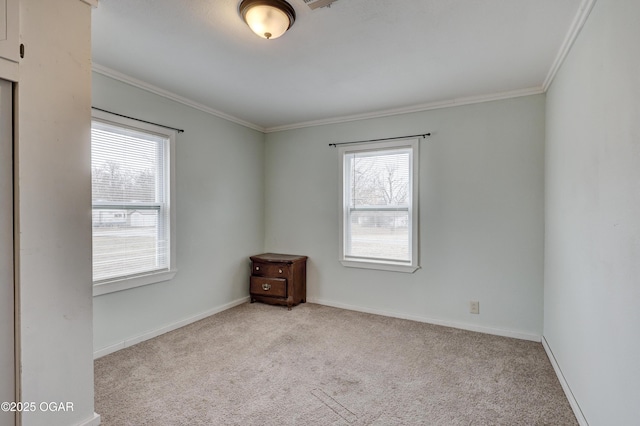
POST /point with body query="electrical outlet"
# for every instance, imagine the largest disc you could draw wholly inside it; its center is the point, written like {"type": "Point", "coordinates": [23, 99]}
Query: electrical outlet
{"type": "Point", "coordinates": [474, 307]}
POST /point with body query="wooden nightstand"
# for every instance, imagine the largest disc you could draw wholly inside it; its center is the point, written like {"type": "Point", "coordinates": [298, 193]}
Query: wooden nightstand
{"type": "Point", "coordinates": [278, 279]}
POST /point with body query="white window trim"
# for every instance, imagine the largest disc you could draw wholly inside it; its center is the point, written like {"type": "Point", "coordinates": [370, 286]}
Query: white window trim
{"type": "Point", "coordinates": [125, 283]}
{"type": "Point", "coordinates": [386, 265]}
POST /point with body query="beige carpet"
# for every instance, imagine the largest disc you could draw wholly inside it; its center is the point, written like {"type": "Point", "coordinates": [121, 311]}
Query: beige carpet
{"type": "Point", "coordinates": [315, 365]}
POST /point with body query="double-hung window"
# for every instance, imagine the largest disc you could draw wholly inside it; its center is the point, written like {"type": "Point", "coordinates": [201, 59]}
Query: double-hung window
{"type": "Point", "coordinates": [133, 219]}
{"type": "Point", "coordinates": [379, 200]}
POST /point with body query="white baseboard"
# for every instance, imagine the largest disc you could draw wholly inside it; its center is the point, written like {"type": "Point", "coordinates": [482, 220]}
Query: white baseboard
{"type": "Point", "coordinates": [445, 323]}
{"type": "Point", "coordinates": [93, 421]}
{"type": "Point", "coordinates": [582, 421]}
{"type": "Point", "coordinates": [170, 327]}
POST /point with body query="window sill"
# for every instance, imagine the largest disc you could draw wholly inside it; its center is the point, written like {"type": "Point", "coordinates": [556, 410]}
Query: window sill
{"type": "Point", "coordinates": [393, 267]}
{"type": "Point", "coordinates": [119, 284]}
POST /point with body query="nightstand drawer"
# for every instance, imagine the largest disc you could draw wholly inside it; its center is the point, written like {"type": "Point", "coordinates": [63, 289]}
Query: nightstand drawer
{"type": "Point", "coordinates": [263, 286]}
{"type": "Point", "coordinates": [276, 270]}
{"type": "Point", "coordinates": [278, 279]}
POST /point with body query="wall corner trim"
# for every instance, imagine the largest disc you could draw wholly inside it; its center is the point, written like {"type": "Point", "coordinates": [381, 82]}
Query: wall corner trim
{"type": "Point", "coordinates": [445, 323]}
{"type": "Point", "coordinates": [167, 328]}
{"type": "Point", "coordinates": [574, 30]}
{"type": "Point", "coordinates": [582, 421]}
{"type": "Point", "coordinates": [470, 100]}
{"type": "Point", "coordinates": [116, 75]}
{"type": "Point", "coordinates": [489, 97]}
{"type": "Point", "coordinates": [92, 421]}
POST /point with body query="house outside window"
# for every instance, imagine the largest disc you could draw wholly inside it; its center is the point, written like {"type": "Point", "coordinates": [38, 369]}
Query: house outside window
{"type": "Point", "coordinates": [379, 205]}
{"type": "Point", "coordinates": [132, 216]}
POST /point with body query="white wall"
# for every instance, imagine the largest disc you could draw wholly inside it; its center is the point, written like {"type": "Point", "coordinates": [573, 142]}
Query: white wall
{"type": "Point", "coordinates": [54, 217]}
{"type": "Point", "coordinates": [481, 215]}
{"type": "Point", "coordinates": [592, 250]}
{"type": "Point", "coordinates": [220, 198]}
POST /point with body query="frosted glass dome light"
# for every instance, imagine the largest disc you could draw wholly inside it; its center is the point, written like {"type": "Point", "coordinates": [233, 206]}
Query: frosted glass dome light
{"type": "Point", "coordinates": [267, 18]}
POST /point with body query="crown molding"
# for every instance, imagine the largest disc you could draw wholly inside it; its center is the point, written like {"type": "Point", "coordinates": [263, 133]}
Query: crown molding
{"type": "Point", "coordinates": [576, 26]}
{"type": "Point", "coordinates": [574, 30]}
{"type": "Point", "coordinates": [116, 75]}
{"type": "Point", "coordinates": [411, 109]}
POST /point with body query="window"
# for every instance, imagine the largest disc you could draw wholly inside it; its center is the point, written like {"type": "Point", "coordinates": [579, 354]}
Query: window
{"type": "Point", "coordinates": [379, 197]}
{"type": "Point", "coordinates": [132, 186]}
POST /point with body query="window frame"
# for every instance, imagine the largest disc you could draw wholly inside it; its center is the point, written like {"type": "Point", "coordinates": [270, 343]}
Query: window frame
{"type": "Point", "coordinates": [381, 264]}
{"type": "Point", "coordinates": [120, 283]}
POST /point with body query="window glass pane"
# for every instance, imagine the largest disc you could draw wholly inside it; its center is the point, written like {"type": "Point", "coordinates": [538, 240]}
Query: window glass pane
{"type": "Point", "coordinates": [380, 178]}
{"type": "Point", "coordinates": [129, 191]}
{"type": "Point", "coordinates": [126, 242]}
{"type": "Point", "coordinates": [378, 202]}
{"type": "Point", "coordinates": [380, 235]}
{"type": "Point", "coordinates": [126, 165]}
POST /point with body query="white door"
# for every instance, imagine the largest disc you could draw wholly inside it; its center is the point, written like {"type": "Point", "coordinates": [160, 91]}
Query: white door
{"type": "Point", "coordinates": [9, 44]}
{"type": "Point", "coordinates": [7, 345]}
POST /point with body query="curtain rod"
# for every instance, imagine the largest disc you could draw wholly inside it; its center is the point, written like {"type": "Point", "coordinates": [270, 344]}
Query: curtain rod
{"type": "Point", "coordinates": [424, 135]}
{"type": "Point", "coordinates": [137, 119]}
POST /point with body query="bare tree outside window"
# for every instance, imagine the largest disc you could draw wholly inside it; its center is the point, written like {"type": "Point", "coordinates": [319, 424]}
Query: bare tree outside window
{"type": "Point", "coordinates": [378, 225]}
{"type": "Point", "coordinates": [110, 181]}
{"type": "Point", "coordinates": [379, 204]}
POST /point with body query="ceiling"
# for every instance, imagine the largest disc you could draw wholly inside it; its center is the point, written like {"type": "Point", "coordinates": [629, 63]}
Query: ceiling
{"type": "Point", "coordinates": [355, 58]}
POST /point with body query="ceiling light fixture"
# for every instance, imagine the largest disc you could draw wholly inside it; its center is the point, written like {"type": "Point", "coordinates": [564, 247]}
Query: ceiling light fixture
{"type": "Point", "coordinates": [267, 18]}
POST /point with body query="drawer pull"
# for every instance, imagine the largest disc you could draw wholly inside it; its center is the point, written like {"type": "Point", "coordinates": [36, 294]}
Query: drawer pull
{"type": "Point", "coordinates": [257, 268]}
{"type": "Point", "coordinates": [279, 271]}
{"type": "Point", "coordinates": [266, 287]}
